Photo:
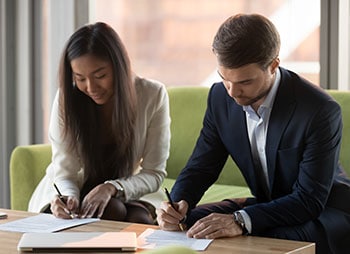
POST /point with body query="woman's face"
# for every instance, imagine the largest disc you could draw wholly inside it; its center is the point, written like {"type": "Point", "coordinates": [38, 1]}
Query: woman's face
{"type": "Point", "coordinates": [94, 77]}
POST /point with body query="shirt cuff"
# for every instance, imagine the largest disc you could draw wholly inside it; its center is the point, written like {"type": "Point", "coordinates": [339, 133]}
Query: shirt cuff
{"type": "Point", "coordinates": [247, 220]}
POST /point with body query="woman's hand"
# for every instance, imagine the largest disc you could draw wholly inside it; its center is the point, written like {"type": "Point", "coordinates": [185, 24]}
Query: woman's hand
{"type": "Point", "coordinates": [96, 200]}
{"type": "Point", "coordinates": [169, 218]}
{"type": "Point", "coordinates": [215, 225]}
{"type": "Point", "coordinates": [66, 209]}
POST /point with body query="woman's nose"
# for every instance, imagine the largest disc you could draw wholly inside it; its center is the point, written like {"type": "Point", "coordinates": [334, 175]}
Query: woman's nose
{"type": "Point", "coordinates": [90, 86]}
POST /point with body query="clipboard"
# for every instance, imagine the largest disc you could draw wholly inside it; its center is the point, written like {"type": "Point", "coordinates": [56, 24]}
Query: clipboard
{"type": "Point", "coordinates": [78, 241]}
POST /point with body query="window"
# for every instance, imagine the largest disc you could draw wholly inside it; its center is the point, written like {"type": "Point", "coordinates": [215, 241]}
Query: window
{"type": "Point", "coordinates": [171, 40]}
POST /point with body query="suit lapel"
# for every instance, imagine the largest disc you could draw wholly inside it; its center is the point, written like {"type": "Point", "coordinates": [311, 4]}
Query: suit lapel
{"type": "Point", "coordinates": [282, 110]}
{"type": "Point", "coordinates": [240, 147]}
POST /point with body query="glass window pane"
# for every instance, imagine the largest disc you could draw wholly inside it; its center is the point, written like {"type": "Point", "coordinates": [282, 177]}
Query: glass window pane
{"type": "Point", "coordinates": [171, 40]}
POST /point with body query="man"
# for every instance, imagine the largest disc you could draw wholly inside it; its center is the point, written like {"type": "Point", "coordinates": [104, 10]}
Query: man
{"type": "Point", "coordinates": [283, 133]}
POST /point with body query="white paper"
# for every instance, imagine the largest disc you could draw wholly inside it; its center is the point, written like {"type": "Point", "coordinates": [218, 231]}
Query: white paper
{"type": "Point", "coordinates": [152, 238]}
{"type": "Point", "coordinates": [43, 223]}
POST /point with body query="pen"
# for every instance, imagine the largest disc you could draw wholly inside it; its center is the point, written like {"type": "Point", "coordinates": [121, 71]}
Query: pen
{"type": "Point", "coordinates": [60, 196]}
{"type": "Point", "coordinates": [181, 226]}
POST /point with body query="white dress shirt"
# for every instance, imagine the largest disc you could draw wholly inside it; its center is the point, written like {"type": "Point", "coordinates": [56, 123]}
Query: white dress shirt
{"type": "Point", "coordinates": [257, 125]}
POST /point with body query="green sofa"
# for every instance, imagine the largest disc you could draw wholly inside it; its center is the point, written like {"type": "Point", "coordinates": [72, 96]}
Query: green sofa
{"type": "Point", "coordinates": [187, 107]}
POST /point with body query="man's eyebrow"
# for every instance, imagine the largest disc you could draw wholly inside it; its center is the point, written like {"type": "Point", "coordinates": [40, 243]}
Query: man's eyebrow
{"type": "Point", "coordinates": [237, 82]}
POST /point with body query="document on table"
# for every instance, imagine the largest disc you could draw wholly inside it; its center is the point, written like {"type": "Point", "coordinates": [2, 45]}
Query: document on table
{"type": "Point", "coordinates": [43, 223]}
{"type": "Point", "coordinates": [154, 238]}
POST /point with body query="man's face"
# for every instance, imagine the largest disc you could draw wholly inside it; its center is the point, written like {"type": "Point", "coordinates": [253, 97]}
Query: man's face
{"type": "Point", "coordinates": [249, 84]}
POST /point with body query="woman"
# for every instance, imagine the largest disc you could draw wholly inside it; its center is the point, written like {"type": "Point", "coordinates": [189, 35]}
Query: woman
{"type": "Point", "coordinates": [110, 134]}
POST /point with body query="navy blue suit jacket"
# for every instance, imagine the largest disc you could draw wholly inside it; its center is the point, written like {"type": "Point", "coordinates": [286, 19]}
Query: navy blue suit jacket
{"type": "Point", "coordinates": [302, 152]}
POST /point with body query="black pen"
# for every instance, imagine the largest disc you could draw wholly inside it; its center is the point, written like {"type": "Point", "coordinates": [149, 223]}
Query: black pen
{"type": "Point", "coordinates": [181, 226]}
{"type": "Point", "coordinates": [60, 196]}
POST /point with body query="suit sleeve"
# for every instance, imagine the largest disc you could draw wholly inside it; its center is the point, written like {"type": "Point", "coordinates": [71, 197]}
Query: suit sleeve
{"type": "Point", "coordinates": [206, 161]}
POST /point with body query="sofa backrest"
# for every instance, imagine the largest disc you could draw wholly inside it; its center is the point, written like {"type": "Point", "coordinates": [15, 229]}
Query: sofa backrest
{"type": "Point", "coordinates": [343, 98]}
{"type": "Point", "coordinates": [187, 108]}
{"type": "Point", "coordinates": [27, 167]}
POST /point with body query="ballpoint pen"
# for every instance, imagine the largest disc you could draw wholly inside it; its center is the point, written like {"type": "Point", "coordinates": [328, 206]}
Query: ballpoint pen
{"type": "Point", "coordinates": [60, 196]}
{"type": "Point", "coordinates": [181, 226]}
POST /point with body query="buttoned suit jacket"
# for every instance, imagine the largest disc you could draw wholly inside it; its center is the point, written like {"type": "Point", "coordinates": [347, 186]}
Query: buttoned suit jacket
{"type": "Point", "coordinates": [303, 142]}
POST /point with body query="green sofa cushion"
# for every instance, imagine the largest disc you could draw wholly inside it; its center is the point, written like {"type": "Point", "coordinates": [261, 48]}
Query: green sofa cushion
{"type": "Point", "coordinates": [27, 167]}
{"type": "Point", "coordinates": [216, 192]}
{"type": "Point", "coordinates": [343, 98]}
{"type": "Point", "coordinates": [187, 108]}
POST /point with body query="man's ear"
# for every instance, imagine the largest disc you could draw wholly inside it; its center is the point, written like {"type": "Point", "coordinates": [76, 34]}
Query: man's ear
{"type": "Point", "coordinates": [274, 65]}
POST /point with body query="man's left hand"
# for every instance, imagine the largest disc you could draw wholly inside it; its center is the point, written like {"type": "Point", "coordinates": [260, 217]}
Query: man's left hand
{"type": "Point", "coordinates": [215, 225]}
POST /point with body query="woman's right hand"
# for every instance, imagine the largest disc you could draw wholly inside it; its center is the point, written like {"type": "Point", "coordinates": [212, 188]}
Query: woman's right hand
{"type": "Point", "coordinates": [67, 209]}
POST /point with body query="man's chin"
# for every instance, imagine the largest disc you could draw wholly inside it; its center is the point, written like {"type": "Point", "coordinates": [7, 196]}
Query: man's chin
{"type": "Point", "coordinates": [241, 102]}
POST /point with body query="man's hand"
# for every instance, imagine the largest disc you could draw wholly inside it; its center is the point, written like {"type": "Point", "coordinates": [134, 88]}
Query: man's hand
{"type": "Point", "coordinates": [215, 225]}
{"type": "Point", "coordinates": [169, 218]}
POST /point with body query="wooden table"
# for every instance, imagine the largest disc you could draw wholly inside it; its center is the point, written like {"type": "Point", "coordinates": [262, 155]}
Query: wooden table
{"type": "Point", "coordinates": [241, 244]}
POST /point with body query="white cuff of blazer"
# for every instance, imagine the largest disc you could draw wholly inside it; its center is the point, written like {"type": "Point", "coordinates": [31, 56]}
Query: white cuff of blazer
{"type": "Point", "coordinates": [119, 187]}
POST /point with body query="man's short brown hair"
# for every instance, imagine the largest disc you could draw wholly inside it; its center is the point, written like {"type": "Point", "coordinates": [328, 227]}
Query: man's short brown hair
{"type": "Point", "coordinates": [245, 39]}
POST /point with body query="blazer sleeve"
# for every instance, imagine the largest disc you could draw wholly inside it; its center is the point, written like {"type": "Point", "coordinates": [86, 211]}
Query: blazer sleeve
{"type": "Point", "coordinates": [63, 170]}
{"type": "Point", "coordinates": [153, 135]}
{"type": "Point", "coordinates": [206, 161]}
{"type": "Point", "coordinates": [65, 163]}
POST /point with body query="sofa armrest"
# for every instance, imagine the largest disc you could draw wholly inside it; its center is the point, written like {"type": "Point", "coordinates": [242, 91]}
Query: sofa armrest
{"type": "Point", "coordinates": [27, 167]}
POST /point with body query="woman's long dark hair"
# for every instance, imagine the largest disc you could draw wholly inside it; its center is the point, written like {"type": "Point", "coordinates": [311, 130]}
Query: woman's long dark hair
{"type": "Point", "coordinates": [80, 113]}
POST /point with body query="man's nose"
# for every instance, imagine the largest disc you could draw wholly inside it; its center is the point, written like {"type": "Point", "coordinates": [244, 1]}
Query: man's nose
{"type": "Point", "coordinates": [231, 88]}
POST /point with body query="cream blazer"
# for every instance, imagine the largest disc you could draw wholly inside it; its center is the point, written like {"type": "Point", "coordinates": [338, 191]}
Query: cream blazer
{"type": "Point", "coordinates": [152, 138]}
